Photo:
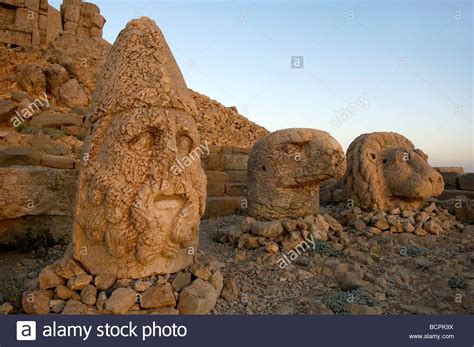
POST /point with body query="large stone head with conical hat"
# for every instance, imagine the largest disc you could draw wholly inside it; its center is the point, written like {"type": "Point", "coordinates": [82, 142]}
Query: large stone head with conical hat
{"type": "Point", "coordinates": [139, 206]}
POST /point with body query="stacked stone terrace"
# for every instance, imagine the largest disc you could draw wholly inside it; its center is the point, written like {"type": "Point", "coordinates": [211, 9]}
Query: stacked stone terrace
{"type": "Point", "coordinates": [34, 23]}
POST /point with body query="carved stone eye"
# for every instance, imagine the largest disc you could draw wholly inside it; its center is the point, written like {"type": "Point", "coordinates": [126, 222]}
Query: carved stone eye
{"type": "Point", "coordinates": [184, 144]}
{"type": "Point", "coordinates": [142, 141]}
{"type": "Point", "coordinates": [294, 148]}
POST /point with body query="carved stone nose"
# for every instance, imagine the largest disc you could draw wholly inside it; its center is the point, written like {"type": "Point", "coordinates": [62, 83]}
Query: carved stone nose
{"type": "Point", "coordinates": [436, 179]}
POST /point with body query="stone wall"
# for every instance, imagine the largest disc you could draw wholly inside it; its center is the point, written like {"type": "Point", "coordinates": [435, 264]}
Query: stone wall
{"type": "Point", "coordinates": [33, 23]}
{"type": "Point", "coordinates": [82, 18]}
{"type": "Point", "coordinates": [226, 171]}
{"type": "Point", "coordinates": [456, 183]}
{"type": "Point", "coordinates": [35, 200]}
{"type": "Point", "coordinates": [24, 22]}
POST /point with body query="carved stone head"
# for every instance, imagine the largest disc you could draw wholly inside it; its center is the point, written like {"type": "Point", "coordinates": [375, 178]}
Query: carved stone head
{"type": "Point", "coordinates": [139, 206]}
{"type": "Point", "coordinates": [385, 170]}
{"type": "Point", "coordinates": [285, 169]}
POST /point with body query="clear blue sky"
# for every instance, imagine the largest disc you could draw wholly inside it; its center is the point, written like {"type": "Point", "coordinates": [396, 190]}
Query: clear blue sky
{"type": "Point", "coordinates": [410, 60]}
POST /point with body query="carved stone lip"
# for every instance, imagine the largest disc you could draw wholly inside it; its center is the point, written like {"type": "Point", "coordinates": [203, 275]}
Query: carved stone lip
{"type": "Point", "coordinates": [169, 202]}
{"type": "Point", "coordinates": [302, 183]}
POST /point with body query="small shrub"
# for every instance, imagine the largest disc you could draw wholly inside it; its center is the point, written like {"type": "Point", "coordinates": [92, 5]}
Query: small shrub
{"type": "Point", "coordinates": [56, 150]}
{"type": "Point", "coordinates": [54, 133]}
{"type": "Point", "coordinates": [218, 236]}
{"type": "Point", "coordinates": [30, 242]}
{"type": "Point", "coordinates": [375, 258]}
{"type": "Point", "coordinates": [323, 247]}
{"type": "Point", "coordinates": [415, 251]}
{"type": "Point", "coordinates": [338, 303]}
{"type": "Point", "coordinates": [457, 282]}
{"type": "Point", "coordinates": [27, 129]}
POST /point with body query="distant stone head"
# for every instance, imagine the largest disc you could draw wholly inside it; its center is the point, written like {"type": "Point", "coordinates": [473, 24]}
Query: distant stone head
{"type": "Point", "coordinates": [385, 170]}
{"type": "Point", "coordinates": [285, 169]}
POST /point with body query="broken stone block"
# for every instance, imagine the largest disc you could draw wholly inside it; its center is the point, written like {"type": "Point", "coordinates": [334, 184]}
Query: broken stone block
{"type": "Point", "coordinates": [37, 301]}
{"type": "Point", "coordinates": [7, 109]}
{"type": "Point", "coordinates": [158, 296]}
{"type": "Point", "coordinates": [121, 300]}
{"type": "Point", "coordinates": [49, 279]}
{"type": "Point", "coordinates": [198, 298]}
{"type": "Point", "coordinates": [72, 94]}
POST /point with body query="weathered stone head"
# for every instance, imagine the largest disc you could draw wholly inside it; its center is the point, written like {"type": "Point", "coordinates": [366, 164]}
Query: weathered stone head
{"type": "Point", "coordinates": [139, 207]}
{"type": "Point", "coordinates": [285, 169]}
{"type": "Point", "coordinates": [384, 170]}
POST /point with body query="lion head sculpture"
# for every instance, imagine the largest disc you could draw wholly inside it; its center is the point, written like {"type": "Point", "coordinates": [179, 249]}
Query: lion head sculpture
{"type": "Point", "coordinates": [385, 170]}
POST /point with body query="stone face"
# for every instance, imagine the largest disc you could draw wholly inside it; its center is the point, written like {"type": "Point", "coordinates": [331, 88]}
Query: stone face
{"type": "Point", "coordinates": [198, 298]}
{"type": "Point", "coordinates": [142, 189]}
{"type": "Point", "coordinates": [158, 296]}
{"type": "Point", "coordinates": [385, 170]}
{"type": "Point", "coordinates": [285, 169]}
{"type": "Point", "coordinates": [121, 300]}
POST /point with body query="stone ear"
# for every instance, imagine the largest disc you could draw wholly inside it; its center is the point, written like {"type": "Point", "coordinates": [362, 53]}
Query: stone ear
{"type": "Point", "coordinates": [372, 156]}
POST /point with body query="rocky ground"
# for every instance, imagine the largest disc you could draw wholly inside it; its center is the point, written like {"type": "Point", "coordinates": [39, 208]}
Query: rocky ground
{"type": "Point", "coordinates": [383, 274]}
{"type": "Point", "coordinates": [373, 274]}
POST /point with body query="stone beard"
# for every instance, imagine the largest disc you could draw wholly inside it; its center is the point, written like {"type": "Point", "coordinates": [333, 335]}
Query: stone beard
{"type": "Point", "coordinates": [135, 215]}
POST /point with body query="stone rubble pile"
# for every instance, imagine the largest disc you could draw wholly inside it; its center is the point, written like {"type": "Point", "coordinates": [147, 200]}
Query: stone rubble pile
{"type": "Point", "coordinates": [286, 234]}
{"type": "Point", "coordinates": [66, 287]}
{"type": "Point", "coordinates": [431, 219]}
